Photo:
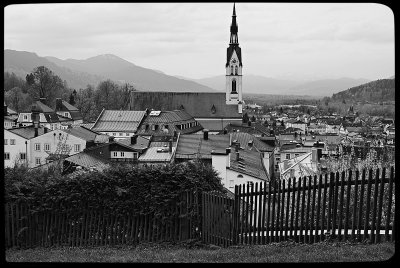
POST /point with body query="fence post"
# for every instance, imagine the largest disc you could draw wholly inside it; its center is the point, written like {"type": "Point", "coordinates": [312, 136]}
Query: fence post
{"type": "Point", "coordinates": [368, 200]}
{"type": "Point", "coordinates": [235, 215]}
{"type": "Point", "coordinates": [389, 207]}
{"type": "Point", "coordinates": [340, 225]}
{"type": "Point", "coordinates": [374, 208]}
{"type": "Point", "coordinates": [380, 204]}
{"type": "Point", "coordinates": [361, 208]}
{"type": "Point", "coordinates": [353, 224]}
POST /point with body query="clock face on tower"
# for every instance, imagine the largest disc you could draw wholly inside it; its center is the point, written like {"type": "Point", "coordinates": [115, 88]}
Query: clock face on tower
{"type": "Point", "coordinates": [234, 61]}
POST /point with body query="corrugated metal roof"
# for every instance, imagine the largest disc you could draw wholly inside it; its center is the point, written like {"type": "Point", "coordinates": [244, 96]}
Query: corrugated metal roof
{"type": "Point", "coordinates": [193, 145]}
{"type": "Point", "coordinates": [250, 163]}
{"type": "Point", "coordinates": [88, 161]}
{"type": "Point", "coordinates": [82, 133]}
{"type": "Point", "coordinates": [152, 153]}
{"type": "Point", "coordinates": [115, 120]}
{"type": "Point", "coordinates": [141, 142]}
{"type": "Point", "coordinates": [197, 104]}
{"type": "Point", "coordinates": [245, 138]}
{"type": "Point", "coordinates": [68, 107]}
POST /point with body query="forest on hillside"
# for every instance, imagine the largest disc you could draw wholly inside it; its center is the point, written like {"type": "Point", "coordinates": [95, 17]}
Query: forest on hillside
{"type": "Point", "coordinates": [20, 93]}
{"type": "Point", "coordinates": [382, 90]}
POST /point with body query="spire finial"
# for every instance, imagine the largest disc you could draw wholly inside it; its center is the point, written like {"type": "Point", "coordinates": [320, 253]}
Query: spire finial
{"type": "Point", "coordinates": [234, 11]}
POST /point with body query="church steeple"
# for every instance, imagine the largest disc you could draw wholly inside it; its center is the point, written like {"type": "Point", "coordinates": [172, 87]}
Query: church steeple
{"type": "Point", "coordinates": [233, 67]}
{"type": "Point", "coordinates": [234, 28]}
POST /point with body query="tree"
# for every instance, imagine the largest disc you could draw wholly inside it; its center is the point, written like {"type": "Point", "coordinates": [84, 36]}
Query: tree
{"type": "Point", "coordinates": [72, 98]}
{"type": "Point", "coordinates": [16, 99]}
{"type": "Point", "coordinates": [43, 83]}
{"type": "Point", "coordinates": [253, 119]}
{"type": "Point", "coordinates": [245, 118]}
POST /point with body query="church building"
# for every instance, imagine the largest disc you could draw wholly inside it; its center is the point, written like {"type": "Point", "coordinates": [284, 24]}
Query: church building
{"type": "Point", "coordinates": [214, 111]}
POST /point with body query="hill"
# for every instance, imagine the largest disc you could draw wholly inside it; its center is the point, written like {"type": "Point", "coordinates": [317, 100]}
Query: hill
{"type": "Point", "coordinates": [376, 91]}
{"type": "Point", "coordinates": [256, 84]}
{"type": "Point", "coordinates": [79, 73]}
{"type": "Point", "coordinates": [22, 63]}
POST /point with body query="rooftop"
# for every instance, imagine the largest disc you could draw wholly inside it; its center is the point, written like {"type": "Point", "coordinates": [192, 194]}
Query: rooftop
{"type": "Point", "coordinates": [118, 120]}
{"type": "Point", "coordinates": [27, 132]}
{"type": "Point", "coordinates": [194, 145]}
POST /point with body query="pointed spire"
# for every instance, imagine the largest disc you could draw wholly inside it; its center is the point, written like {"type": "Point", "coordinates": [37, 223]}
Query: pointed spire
{"type": "Point", "coordinates": [234, 28]}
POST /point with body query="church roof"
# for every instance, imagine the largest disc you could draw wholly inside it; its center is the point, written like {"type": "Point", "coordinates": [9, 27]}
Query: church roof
{"type": "Point", "coordinates": [197, 104]}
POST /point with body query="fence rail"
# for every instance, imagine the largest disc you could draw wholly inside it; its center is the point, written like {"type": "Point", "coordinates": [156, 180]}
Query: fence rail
{"type": "Point", "coordinates": [25, 228]}
{"type": "Point", "coordinates": [343, 207]}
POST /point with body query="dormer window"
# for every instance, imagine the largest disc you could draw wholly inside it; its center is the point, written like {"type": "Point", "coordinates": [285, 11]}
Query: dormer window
{"type": "Point", "coordinates": [213, 109]}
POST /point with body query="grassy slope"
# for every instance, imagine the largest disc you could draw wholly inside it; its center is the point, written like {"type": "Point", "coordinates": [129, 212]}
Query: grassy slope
{"type": "Point", "coordinates": [280, 252]}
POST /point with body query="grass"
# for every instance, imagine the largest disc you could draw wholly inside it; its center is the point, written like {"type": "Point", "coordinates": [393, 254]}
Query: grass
{"type": "Point", "coordinates": [275, 252]}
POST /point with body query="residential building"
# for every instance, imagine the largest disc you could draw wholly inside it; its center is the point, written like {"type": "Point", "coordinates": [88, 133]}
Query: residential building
{"type": "Point", "coordinates": [118, 123]}
{"type": "Point", "coordinates": [47, 117]}
{"type": "Point", "coordinates": [18, 145]}
{"type": "Point", "coordinates": [67, 110]}
{"type": "Point", "coordinates": [10, 117]}
{"type": "Point", "coordinates": [162, 123]}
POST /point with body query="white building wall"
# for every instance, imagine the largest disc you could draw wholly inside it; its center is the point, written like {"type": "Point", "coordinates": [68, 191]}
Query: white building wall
{"type": "Point", "coordinates": [53, 138]}
{"type": "Point", "coordinates": [219, 163]}
{"type": "Point", "coordinates": [15, 150]}
{"type": "Point", "coordinates": [237, 178]}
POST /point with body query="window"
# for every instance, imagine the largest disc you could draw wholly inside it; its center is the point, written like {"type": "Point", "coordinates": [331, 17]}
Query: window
{"type": "Point", "coordinates": [120, 133]}
{"type": "Point", "coordinates": [233, 85]}
{"type": "Point", "coordinates": [287, 156]}
{"type": "Point", "coordinates": [296, 155]}
{"type": "Point", "coordinates": [114, 134]}
{"type": "Point", "coordinates": [135, 155]}
{"type": "Point", "coordinates": [37, 160]}
{"type": "Point", "coordinates": [66, 114]}
{"type": "Point", "coordinates": [5, 141]}
{"type": "Point", "coordinates": [22, 156]}
{"type": "Point", "coordinates": [37, 146]}
{"type": "Point", "coordinates": [12, 142]}
{"type": "Point", "coordinates": [115, 154]}
{"type": "Point", "coordinates": [122, 154]}
{"type": "Point", "coordinates": [231, 69]}
{"type": "Point", "coordinates": [77, 147]}
{"type": "Point", "coordinates": [25, 117]}
{"type": "Point", "coordinates": [231, 183]}
{"type": "Point", "coordinates": [236, 70]}
{"type": "Point", "coordinates": [6, 156]}
{"type": "Point", "coordinates": [127, 134]}
{"type": "Point", "coordinates": [166, 126]}
{"type": "Point", "coordinates": [46, 147]}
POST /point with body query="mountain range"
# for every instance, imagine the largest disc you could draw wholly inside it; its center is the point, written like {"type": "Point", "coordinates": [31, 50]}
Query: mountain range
{"type": "Point", "coordinates": [80, 73]}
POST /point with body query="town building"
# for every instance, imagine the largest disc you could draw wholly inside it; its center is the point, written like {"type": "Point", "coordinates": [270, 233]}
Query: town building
{"type": "Point", "coordinates": [67, 110]}
{"type": "Point", "coordinates": [119, 124]}
{"type": "Point", "coordinates": [10, 117]}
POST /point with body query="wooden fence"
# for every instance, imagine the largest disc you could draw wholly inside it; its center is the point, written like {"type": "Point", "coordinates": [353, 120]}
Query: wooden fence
{"type": "Point", "coordinates": [311, 209]}
{"type": "Point", "coordinates": [25, 228]}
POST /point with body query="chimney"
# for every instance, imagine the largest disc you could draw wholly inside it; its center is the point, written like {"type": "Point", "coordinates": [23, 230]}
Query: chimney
{"type": "Point", "coordinates": [133, 139]}
{"type": "Point", "coordinates": [58, 104]}
{"type": "Point", "coordinates": [36, 131]}
{"type": "Point", "coordinates": [205, 134]}
{"type": "Point", "coordinates": [249, 123]}
{"type": "Point", "coordinates": [237, 146]}
{"type": "Point", "coordinates": [228, 157]}
{"type": "Point", "coordinates": [319, 154]}
{"type": "Point", "coordinates": [35, 118]}
{"type": "Point", "coordinates": [237, 156]}
{"type": "Point", "coordinates": [45, 129]}
{"type": "Point", "coordinates": [314, 155]}
{"type": "Point", "coordinates": [170, 146]}
{"type": "Point", "coordinates": [5, 109]}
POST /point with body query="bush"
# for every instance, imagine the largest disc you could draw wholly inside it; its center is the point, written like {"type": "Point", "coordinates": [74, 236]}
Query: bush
{"type": "Point", "coordinates": [120, 189]}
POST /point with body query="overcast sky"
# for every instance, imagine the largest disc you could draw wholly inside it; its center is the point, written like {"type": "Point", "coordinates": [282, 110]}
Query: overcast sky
{"type": "Point", "coordinates": [190, 39]}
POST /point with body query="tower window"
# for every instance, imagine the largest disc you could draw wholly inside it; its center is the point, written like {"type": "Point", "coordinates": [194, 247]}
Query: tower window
{"type": "Point", "coordinates": [231, 69]}
{"type": "Point", "coordinates": [236, 70]}
{"type": "Point", "coordinates": [234, 85]}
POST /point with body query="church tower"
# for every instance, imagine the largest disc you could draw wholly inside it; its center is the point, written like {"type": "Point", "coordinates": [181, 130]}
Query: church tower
{"type": "Point", "coordinates": [234, 67]}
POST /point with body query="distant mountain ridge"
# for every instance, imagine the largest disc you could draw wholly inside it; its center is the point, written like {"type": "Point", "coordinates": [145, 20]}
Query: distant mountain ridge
{"type": "Point", "coordinates": [375, 91]}
{"type": "Point", "coordinates": [255, 84]}
{"type": "Point", "coordinates": [79, 73]}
